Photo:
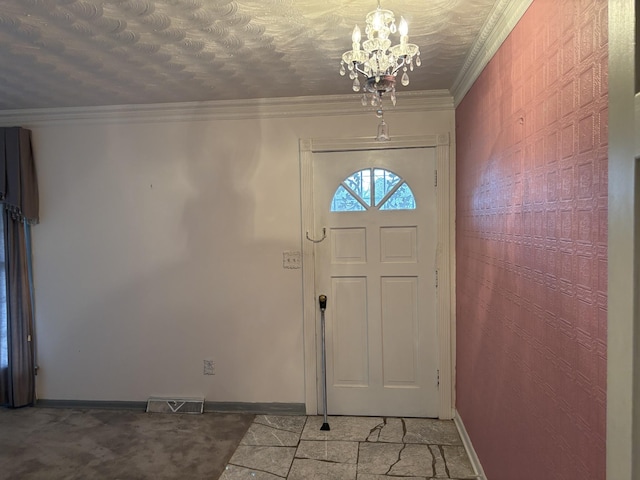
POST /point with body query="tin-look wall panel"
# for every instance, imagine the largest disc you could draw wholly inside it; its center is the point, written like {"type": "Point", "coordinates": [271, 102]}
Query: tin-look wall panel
{"type": "Point", "coordinates": [532, 248]}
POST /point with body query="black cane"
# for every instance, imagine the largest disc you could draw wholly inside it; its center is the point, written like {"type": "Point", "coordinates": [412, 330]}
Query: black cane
{"type": "Point", "coordinates": [322, 299]}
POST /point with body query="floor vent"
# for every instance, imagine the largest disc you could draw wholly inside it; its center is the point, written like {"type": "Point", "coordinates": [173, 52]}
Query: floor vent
{"type": "Point", "coordinates": [175, 405]}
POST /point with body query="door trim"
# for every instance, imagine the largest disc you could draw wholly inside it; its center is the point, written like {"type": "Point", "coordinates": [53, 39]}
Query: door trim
{"type": "Point", "coordinates": [444, 257]}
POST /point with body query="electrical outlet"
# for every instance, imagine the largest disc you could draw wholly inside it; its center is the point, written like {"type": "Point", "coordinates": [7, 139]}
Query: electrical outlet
{"type": "Point", "coordinates": [209, 367]}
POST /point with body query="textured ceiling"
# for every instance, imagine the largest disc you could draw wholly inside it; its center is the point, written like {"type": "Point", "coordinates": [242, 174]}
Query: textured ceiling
{"type": "Point", "coordinates": [64, 53]}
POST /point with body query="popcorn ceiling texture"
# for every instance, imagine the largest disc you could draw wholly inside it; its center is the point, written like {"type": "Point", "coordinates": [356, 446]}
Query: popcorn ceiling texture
{"type": "Point", "coordinates": [532, 248]}
{"type": "Point", "coordinates": [113, 52]}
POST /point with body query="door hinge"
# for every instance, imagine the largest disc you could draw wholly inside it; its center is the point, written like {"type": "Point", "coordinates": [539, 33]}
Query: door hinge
{"type": "Point", "coordinates": [438, 377]}
{"type": "Point", "coordinates": [436, 278]}
{"type": "Point", "coordinates": [435, 178]}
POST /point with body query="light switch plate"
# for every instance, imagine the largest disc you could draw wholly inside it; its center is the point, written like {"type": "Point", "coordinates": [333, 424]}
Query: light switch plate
{"type": "Point", "coordinates": [291, 260]}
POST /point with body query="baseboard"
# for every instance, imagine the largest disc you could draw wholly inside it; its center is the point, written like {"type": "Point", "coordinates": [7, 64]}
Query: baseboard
{"type": "Point", "coordinates": [466, 441]}
{"type": "Point", "coordinates": [256, 408]}
{"type": "Point", "coordinates": [103, 404]}
{"type": "Point", "coordinates": [209, 407]}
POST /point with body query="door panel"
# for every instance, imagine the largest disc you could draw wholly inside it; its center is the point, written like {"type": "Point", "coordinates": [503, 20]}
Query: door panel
{"type": "Point", "coordinates": [350, 353]}
{"type": "Point", "coordinates": [399, 302]}
{"type": "Point", "coordinates": [398, 244]}
{"type": "Point", "coordinates": [348, 245]}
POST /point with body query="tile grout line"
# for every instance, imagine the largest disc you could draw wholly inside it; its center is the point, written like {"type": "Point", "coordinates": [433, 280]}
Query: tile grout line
{"type": "Point", "coordinates": [433, 462]}
{"type": "Point", "coordinates": [306, 420]}
{"type": "Point", "coordinates": [444, 459]}
{"type": "Point", "coordinates": [254, 469]}
{"type": "Point", "coordinates": [256, 422]}
{"type": "Point", "coordinates": [358, 460]}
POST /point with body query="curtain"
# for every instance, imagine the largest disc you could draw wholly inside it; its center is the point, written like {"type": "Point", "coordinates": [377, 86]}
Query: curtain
{"type": "Point", "coordinates": [19, 194]}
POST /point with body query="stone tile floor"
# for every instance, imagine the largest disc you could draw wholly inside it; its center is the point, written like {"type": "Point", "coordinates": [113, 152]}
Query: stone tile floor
{"type": "Point", "coordinates": [356, 448]}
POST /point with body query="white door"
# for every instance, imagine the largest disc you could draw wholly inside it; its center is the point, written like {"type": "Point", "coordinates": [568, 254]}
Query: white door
{"type": "Point", "coordinates": [377, 268]}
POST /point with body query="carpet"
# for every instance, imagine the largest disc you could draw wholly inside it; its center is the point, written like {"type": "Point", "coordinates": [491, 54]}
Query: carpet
{"type": "Point", "coordinates": [55, 443]}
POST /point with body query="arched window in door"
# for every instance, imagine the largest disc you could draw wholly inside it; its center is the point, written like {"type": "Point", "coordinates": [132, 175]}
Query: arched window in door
{"type": "Point", "coordinates": [373, 188]}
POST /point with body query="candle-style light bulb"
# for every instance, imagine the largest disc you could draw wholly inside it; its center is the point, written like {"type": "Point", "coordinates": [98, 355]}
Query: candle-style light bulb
{"type": "Point", "coordinates": [378, 20]}
{"type": "Point", "coordinates": [403, 28]}
{"type": "Point", "coordinates": [355, 36]}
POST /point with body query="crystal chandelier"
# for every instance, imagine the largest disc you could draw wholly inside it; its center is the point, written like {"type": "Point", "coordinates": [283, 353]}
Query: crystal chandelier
{"type": "Point", "coordinates": [377, 61]}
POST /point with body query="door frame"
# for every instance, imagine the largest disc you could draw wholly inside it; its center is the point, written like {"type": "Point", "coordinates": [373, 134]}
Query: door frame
{"type": "Point", "coordinates": [445, 261]}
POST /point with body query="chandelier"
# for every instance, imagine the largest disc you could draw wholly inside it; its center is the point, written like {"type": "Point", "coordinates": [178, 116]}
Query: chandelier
{"type": "Point", "coordinates": [378, 62]}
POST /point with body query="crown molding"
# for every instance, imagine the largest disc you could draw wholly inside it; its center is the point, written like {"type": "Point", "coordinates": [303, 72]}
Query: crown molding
{"type": "Point", "coordinates": [316, 106]}
{"type": "Point", "coordinates": [501, 20]}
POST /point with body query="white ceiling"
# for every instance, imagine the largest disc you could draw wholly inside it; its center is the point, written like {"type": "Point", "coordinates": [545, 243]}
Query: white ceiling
{"type": "Point", "coordinates": [71, 53]}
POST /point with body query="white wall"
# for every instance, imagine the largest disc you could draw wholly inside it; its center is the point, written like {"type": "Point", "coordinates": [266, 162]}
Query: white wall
{"type": "Point", "coordinates": [160, 245]}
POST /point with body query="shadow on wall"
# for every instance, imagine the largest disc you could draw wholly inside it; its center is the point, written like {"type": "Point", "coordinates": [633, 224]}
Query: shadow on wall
{"type": "Point", "coordinates": [202, 291]}
{"type": "Point", "coordinates": [478, 299]}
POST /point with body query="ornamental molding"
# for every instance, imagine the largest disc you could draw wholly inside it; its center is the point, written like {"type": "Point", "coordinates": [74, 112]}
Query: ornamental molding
{"type": "Point", "coordinates": [421, 101]}
{"type": "Point", "coordinates": [499, 24]}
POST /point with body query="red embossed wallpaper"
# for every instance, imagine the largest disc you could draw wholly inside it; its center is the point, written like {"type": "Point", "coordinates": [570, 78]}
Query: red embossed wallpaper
{"type": "Point", "coordinates": [531, 248]}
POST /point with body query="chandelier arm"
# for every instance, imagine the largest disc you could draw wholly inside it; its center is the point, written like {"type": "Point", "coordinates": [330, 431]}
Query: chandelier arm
{"type": "Point", "coordinates": [399, 66]}
{"type": "Point", "coordinates": [359, 69]}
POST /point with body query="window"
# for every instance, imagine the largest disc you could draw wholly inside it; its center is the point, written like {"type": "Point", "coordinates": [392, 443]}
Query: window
{"type": "Point", "coordinates": [373, 188]}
